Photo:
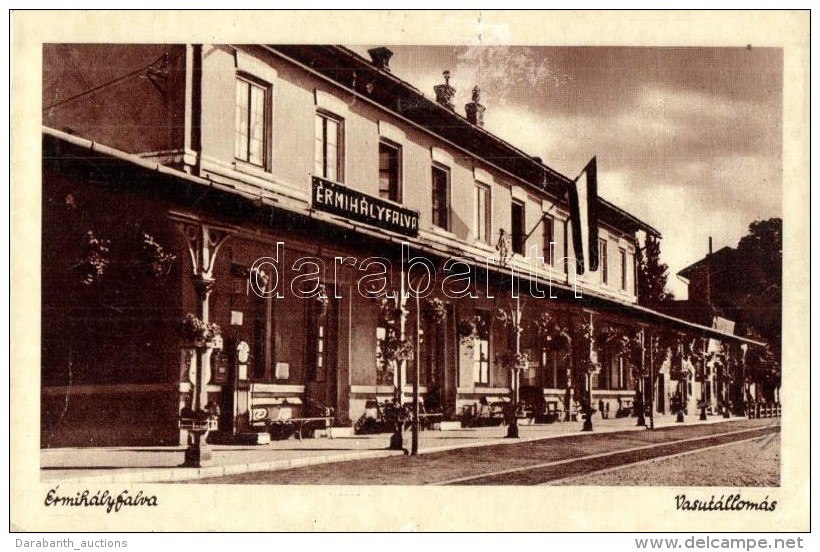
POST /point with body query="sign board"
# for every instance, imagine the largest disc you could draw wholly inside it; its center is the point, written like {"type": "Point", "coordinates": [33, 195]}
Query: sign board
{"type": "Point", "coordinates": [354, 205]}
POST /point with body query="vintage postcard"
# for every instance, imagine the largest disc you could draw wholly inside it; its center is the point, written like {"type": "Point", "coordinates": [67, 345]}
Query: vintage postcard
{"type": "Point", "coordinates": [322, 270]}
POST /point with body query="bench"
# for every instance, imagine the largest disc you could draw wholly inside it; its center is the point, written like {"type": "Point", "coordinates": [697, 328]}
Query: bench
{"type": "Point", "coordinates": [492, 408]}
{"type": "Point", "coordinates": [430, 420]}
{"type": "Point", "coordinates": [553, 411]}
{"type": "Point", "coordinates": [284, 428]}
{"type": "Point", "coordinates": [625, 408]}
{"type": "Point", "coordinates": [196, 425]}
{"type": "Point", "coordinates": [427, 420]}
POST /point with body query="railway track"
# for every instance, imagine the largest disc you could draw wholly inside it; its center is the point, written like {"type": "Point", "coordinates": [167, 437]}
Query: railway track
{"type": "Point", "coordinates": [543, 473]}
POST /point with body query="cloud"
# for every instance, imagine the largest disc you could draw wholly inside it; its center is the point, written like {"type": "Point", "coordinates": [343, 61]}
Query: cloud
{"type": "Point", "coordinates": [692, 165]}
{"type": "Point", "coordinates": [507, 74]}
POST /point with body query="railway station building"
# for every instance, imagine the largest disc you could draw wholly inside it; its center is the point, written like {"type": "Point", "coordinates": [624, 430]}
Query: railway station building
{"type": "Point", "coordinates": [251, 224]}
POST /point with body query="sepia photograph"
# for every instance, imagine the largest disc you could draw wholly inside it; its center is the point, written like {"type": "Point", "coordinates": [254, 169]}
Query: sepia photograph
{"type": "Point", "coordinates": [374, 268]}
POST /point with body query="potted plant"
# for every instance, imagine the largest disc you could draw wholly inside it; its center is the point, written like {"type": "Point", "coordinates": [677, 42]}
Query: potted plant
{"type": "Point", "coordinates": [199, 333]}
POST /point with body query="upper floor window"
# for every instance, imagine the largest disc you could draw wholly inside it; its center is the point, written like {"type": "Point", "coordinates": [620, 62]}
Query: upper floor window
{"type": "Point", "coordinates": [622, 254]}
{"type": "Point", "coordinates": [549, 239]}
{"type": "Point", "coordinates": [389, 172]}
{"type": "Point", "coordinates": [329, 154]}
{"type": "Point", "coordinates": [519, 232]}
{"type": "Point", "coordinates": [482, 213]}
{"type": "Point", "coordinates": [251, 134]}
{"type": "Point", "coordinates": [441, 197]}
{"type": "Point", "coordinates": [602, 261]}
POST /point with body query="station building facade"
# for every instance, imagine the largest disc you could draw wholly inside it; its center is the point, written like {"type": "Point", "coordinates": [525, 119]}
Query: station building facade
{"type": "Point", "coordinates": [271, 191]}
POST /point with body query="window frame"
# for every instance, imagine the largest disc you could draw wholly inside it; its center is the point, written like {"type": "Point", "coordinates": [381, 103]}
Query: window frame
{"type": "Point", "coordinates": [267, 121]}
{"type": "Point", "coordinates": [397, 150]}
{"type": "Point", "coordinates": [623, 256]}
{"type": "Point", "coordinates": [485, 234]}
{"type": "Point", "coordinates": [317, 322]}
{"type": "Point", "coordinates": [481, 365]}
{"type": "Point", "coordinates": [603, 261]}
{"type": "Point", "coordinates": [436, 213]}
{"type": "Point", "coordinates": [325, 117]}
{"type": "Point", "coordinates": [549, 252]}
{"type": "Point", "coordinates": [518, 235]}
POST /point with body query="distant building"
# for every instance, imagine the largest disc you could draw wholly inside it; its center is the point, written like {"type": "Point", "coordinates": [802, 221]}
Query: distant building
{"type": "Point", "coordinates": [267, 189]}
{"type": "Point", "coordinates": [712, 300]}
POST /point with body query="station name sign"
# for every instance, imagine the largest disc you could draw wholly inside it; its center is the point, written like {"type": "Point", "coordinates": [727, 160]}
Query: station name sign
{"type": "Point", "coordinates": [340, 200]}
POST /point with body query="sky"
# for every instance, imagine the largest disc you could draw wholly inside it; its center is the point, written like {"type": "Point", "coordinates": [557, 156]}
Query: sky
{"type": "Point", "coordinates": [689, 140]}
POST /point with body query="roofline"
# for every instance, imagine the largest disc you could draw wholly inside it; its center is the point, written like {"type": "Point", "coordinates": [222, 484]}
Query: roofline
{"type": "Point", "coordinates": [176, 173]}
{"type": "Point", "coordinates": [564, 180]}
{"type": "Point", "coordinates": [703, 260]}
{"type": "Point", "coordinates": [638, 222]}
{"type": "Point", "coordinates": [450, 112]}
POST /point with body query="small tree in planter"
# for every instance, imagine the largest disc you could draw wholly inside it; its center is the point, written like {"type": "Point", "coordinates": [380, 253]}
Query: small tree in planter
{"type": "Point", "coordinates": [395, 349]}
{"type": "Point", "coordinates": [700, 358]}
{"type": "Point", "coordinates": [513, 360]}
{"type": "Point", "coordinates": [661, 347]}
{"type": "Point", "coordinates": [584, 338]}
{"type": "Point", "coordinates": [555, 336]}
{"type": "Point", "coordinates": [629, 347]}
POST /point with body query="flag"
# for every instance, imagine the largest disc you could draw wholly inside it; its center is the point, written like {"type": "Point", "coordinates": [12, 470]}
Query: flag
{"type": "Point", "coordinates": [583, 196]}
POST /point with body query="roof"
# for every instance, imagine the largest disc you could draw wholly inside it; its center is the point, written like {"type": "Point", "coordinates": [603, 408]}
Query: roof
{"type": "Point", "coordinates": [348, 69]}
{"type": "Point", "coordinates": [59, 146]}
{"type": "Point", "coordinates": [720, 256]}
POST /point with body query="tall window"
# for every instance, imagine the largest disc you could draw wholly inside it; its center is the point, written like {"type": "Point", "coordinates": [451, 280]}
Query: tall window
{"type": "Point", "coordinates": [566, 247]}
{"type": "Point", "coordinates": [481, 361]}
{"type": "Point", "coordinates": [481, 352]}
{"type": "Point", "coordinates": [482, 213]}
{"type": "Point", "coordinates": [328, 159]}
{"type": "Point", "coordinates": [518, 230]}
{"type": "Point", "coordinates": [441, 197]}
{"type": "Point", "coordinates": [251, 121]}
{"type": "Point", "coordinates": [603, 265]}
{"type": "Point", "coordinates": [622, 254]}
{"type": "Point", "coordinates": [549, 238]}
{"type": "Point", "coordinates": [317, 341]}
{"type": "Point", "coordinates": [389, 172]}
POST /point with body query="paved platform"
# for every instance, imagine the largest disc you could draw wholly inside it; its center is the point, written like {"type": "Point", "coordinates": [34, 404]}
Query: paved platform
{"type": "Point", "coordinates": [162, 464]}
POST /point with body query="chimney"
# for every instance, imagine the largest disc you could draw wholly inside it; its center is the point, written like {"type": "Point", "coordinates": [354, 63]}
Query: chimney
{"type": "Point", "coordinates": [445, 92]}
{"type": "Point", "coordinates": [474, 109]}
{"type": "Point", "coordinates": [381, 57]}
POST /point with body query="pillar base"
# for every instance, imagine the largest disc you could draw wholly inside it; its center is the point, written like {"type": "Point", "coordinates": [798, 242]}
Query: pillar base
{"type": "Point", "coordinates": [197, 456]}
{"type": "Point", "coordinates": [512, 431]}
{"type": "Point", "coordinates": [396, 441]}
